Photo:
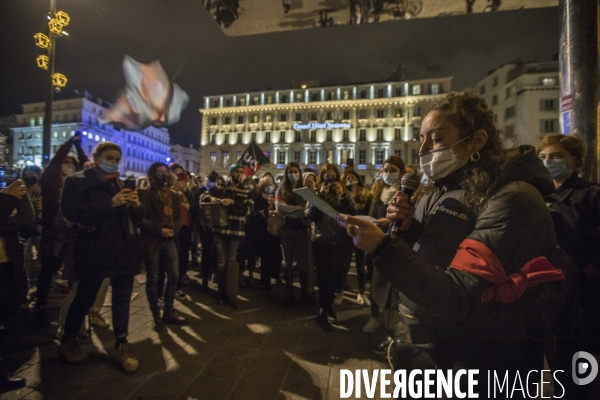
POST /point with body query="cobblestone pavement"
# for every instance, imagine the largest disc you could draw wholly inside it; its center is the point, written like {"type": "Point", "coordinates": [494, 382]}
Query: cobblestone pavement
{"type": "Point", "coordinates": [259, 351]}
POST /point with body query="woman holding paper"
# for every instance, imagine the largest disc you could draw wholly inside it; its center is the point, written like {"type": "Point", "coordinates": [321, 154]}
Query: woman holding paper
{"type": "Point", "coordinates": [469, 254]}
{"type": "Point", "coordinates": [331, 244]}
{"type": "Point", "coordinates": [294, 236]}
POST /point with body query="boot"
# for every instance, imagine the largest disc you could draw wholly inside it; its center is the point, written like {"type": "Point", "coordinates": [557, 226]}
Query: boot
{"type": "Point", "coordinates": [171, 317]}
{"type": "Point", "coordinates": [39, 315]}
{"type": "Point", "coordinates": [71, 353]}
{"type": "Point", "coordinates": [323, 321]}
{"type": "Point", "coordinates": [129, 363]}
{"type": "Point", "coordinates": [232, 277]}
{"type": "Point", "coordinates": [157, 322]}
{"type": "Point", "coordinates": [98, 320]}
{"type": "Point", "coordinates": [289, 301]}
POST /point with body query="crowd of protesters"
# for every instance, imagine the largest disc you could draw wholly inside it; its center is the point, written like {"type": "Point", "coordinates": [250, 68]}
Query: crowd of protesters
{"type": "Point", "coordinates": [478, 203]}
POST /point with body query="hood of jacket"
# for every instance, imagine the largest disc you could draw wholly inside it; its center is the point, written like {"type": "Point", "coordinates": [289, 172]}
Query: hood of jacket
{"type": "Point", "coordinates": [524, 165]}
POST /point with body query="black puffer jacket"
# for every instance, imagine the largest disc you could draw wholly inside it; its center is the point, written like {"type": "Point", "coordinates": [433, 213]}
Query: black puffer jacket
{"type": "Point", "coordinates": [433, 266]}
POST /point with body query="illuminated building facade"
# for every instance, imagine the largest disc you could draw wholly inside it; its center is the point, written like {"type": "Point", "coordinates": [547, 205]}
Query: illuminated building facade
{"type": "Point", "coordinates": [140, 149]}
{"type": "Point", "coordinates": [314, 125]}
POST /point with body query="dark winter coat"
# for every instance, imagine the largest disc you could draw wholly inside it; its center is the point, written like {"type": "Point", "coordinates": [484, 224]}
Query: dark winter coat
{"type": "Point", "coordinates": [153, 222]}
{"type": "Point", "coordinates": [107, 242]}
{"type": "Point", "coordinates": [575, 209]}
{"type": "Point", "coordinates": [326, 228]}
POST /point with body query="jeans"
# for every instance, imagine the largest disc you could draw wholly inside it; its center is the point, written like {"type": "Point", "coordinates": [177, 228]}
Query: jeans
{"type": "Point", "coordinates": [87, 291]}
{"type": "Point", "coordinates": [361, 273]}
{"type": "Point", "coordinates": [170, 256]}
{"type": "Point", "coordinates": [294, 245]}
{"type": "Point", "coordinates": [185, 242]}
{"type": "Point", "coordinates": [225, 249]}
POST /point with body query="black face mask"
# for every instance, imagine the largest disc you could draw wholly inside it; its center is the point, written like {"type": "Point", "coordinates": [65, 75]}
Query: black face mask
{"type": "Point", "coordinates": [235, 180]}
{"type": "Point", "coordinates": [30, 180]}
{"type": "Point", "coordinates": [162, 180]}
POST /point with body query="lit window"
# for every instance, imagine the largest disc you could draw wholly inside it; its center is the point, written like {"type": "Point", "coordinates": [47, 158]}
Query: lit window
{"type": "Point", "coordinates": [416, 89]}
{"type": "Point", "coordinates": [435, 88]}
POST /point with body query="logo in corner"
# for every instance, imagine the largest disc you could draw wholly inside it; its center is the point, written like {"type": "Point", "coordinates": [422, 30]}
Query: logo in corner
{"type": "Point", "coordinates": [583, 364]}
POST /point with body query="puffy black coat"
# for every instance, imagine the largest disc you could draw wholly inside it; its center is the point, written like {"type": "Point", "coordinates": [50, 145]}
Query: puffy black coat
{"type": "Point", "coordinates": [440, 297]}
{"type": "Point", "coordinates": [107, 241]}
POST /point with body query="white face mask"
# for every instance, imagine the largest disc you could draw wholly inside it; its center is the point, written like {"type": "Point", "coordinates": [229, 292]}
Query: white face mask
{"type": "Point", "coordinates": [439, 163]}
{"type": "Point", "coordinates": [68, 169]}
{"type": "Point", "coordinates": [391, 178]}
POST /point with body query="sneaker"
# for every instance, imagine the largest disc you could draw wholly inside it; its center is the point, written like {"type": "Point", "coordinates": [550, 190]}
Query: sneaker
{"type": "Point", "coordinates": [382, 347]}
{"type": "Point", "coordinates": [71, 353]}
{"type": "Point", "coordinates": [362, 299]}
{"type": "Point", "coordinates": [98, 320]}
{"type": "Point", "coordinates": [126, 359]}
{"type": "Point", "coordinates": [339, 298]}
{"type": "Point", "coordinates": [372, 324]}
{"type": "Point", "coordinates": [157, 322]}
{"type": "Point", "coordinates": [179, 295]}
{"type": "Point", "coordinates": [172, 317]}
{"type": "Point", "coordinates": [10, 382]}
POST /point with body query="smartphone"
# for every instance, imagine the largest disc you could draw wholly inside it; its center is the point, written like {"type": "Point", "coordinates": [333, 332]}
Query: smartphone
{"type": "Point", "coordinates": [129, 184]}
{"type": "Point", "coordinates": [15, 174]}
{"type": "Point", "coordinates": [181, 177]}
{"type": "Point", "coordinates": [350, 162]}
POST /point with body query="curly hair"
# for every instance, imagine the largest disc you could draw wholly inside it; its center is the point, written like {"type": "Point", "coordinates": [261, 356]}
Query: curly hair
{"type": "Point", "coordinates": [469, 113]}
{"type": "Point", "coordinates": [152, 175]}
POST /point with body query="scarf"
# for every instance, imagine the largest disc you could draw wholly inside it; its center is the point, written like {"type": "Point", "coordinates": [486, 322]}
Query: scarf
{"type": "Point", "coordinates": [104, 177]}
{"type": "Point", "coordinates": [388, 193]}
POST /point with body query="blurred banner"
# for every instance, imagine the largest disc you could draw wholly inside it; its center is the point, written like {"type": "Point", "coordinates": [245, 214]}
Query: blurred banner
{"type": "Point", "coordinates": [251, 17]}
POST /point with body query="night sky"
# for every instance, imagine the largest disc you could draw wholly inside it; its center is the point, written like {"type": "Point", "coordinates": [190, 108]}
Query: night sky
{"type": "Point", "coordinates": [203, 61]}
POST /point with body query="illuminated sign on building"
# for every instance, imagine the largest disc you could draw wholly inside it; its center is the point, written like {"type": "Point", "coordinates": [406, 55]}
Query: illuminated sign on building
{"type": "Point", "coordinates": [319, 125]}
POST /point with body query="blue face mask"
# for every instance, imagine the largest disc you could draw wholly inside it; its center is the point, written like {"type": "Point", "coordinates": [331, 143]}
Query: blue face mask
{"type": "Point", "coordinates": [557, 168]}
{"type": "Point", "coordinates": [108, 167]}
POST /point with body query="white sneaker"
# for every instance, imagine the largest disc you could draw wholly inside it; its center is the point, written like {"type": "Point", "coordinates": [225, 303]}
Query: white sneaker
{"type": "Point", "coordinates": [339, 298]}
{"type": "Point", "coordinates": [372, 324]}
{"type": "Point", "coordinates": [362, 299]}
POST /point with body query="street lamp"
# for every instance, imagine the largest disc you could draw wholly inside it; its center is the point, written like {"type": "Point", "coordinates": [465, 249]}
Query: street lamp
{"type": "Point", "coordinates": [54, 80]}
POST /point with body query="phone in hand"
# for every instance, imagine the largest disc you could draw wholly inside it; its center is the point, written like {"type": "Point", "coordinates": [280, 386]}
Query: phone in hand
{"type": "Point", "coordinates": [350, 162]}
{"type": "Point", "coordinates": [129, 183]}
{"type": "Point", "coordinates": [3, 177]}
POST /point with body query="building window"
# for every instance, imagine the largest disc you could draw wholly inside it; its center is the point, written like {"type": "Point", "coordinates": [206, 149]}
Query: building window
{"type": "Point", "coordinates": [283, 117]}
{"type": "Point", "coordinates": [380, 93]}
{"type": "Point", "coordinates": [64, 134]}
{"type": "Point", "coordinates": [363, 94]}
{"type": "Point", "coordinates": [509, 112]}
{"type": "Point", "coordinates": [398, 112]}
{"type": "Point", "coordinates": [297, 156]}
{"type": "Point", "coordinates": [283, 98]}
{"type": "Point", "coordinates": [548, 105]}
{"type": "Point", "coordinates": [268, 137]}
{"type": "Point", "coordinates": [346, 135]}
{"type": "Point", "coordinates": [380, 113]}
{"type": "Point", "coordinates": [254, 118]}
{"type": "Point", "coordinates": [329, 116]}
{"type": "Point", "coordinates": [379, 156]}
{"type": "Point", "coordinates": [313, 136]}
{"type": "Point", "coordinates": [362, 157]}
{"type": "Point", "coordinates": [495, 82]}
{"type": "Point", "coordinates": [314, 97]}
{"type": "Point", "coordinates": [346, 115]}
{"type": "Point", "coordinates": [379, 134]}
{"type": "Point", "coordinates": [238, 155]}
{"type": "Point", "coordinates": [435, 88]}
{"type": "Point", "coordinates": [242, 102]}
{"type": "Point", "coordinates": [495, 118]}
{"type": "Point", "coordinates": [213, 157]}
{"type": "Point", "coordinates": [329, 136]}
{"type": "Point", "coordinates": [298, 117]}
{"type": "Point", "coordinates": [299, 97]}
{"type": "Point", "coordinates": [254, 136]}
{"type": "Point", "coordinates": [213, 121]}
{"type": "Point", "coordinates": [240, 119]}
{"type": "Point", "coordinates": [398, 152]}
{"type": "Point", "coordinates": [494, 100]}
{"type": "Point", "coordinates": [398, 134]}
{"type": "Point", "coordinates": [225, 159]}
{"type": "Point", "coordinates": [363, 114]}
{"type": "Point", "coordinates": [331, 95]}
{"type": "Point", "coordinates": [346, 95]}
{"type": "Point", "coordinates": [548, 81]}
{"type": "Point", "coordinates": [416, 111]}
{"type": "Point", "coordinates": [213, 139]}
{"type": "Point", "coordinates": [41, 121]}
{"type": "Point", "coordinates": [228, 103]}
{"type": "Point", "coordinates": [255, 100]}
{"type": "Point", "coordinates": [215, 103]}
{"type": "Point", "coordinates": [282, 137]}
{"type": "Point", "coordinates": [549, 125]}
{"type": "Point", "coordinates": [482, 89]}
{"type": "Point", "coordinates": [313, 116]}
{"type": "Point", "coordinates": [362, 135]}
{"type": "Point", "coordinates": [398, 91]}
{"type": "Point", "coordinates": [312, 156]}
{"type": "Point", "coordinates": [416, 89]}
{"type": "Point", "coordinates": [280, 156]}
{"type": "Point", "coordinates": [297, 136]}
{"type": "Point", "coordinates": [227, 120]}
{"type": "Point", "coordinates": [269, 99]}
{"type": "Point", "coordinates": [415, 156]}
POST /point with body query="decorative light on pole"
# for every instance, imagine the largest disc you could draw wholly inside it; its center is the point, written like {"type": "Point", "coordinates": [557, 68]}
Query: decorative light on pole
{"type": "Point", "coordinates": [55, 80]}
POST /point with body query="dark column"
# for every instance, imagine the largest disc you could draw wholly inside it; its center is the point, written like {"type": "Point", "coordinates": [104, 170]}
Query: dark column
{"type": "Point", "coordinates": [49, 91]}
{"type": "Point", "coordinates": [579, 76]}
